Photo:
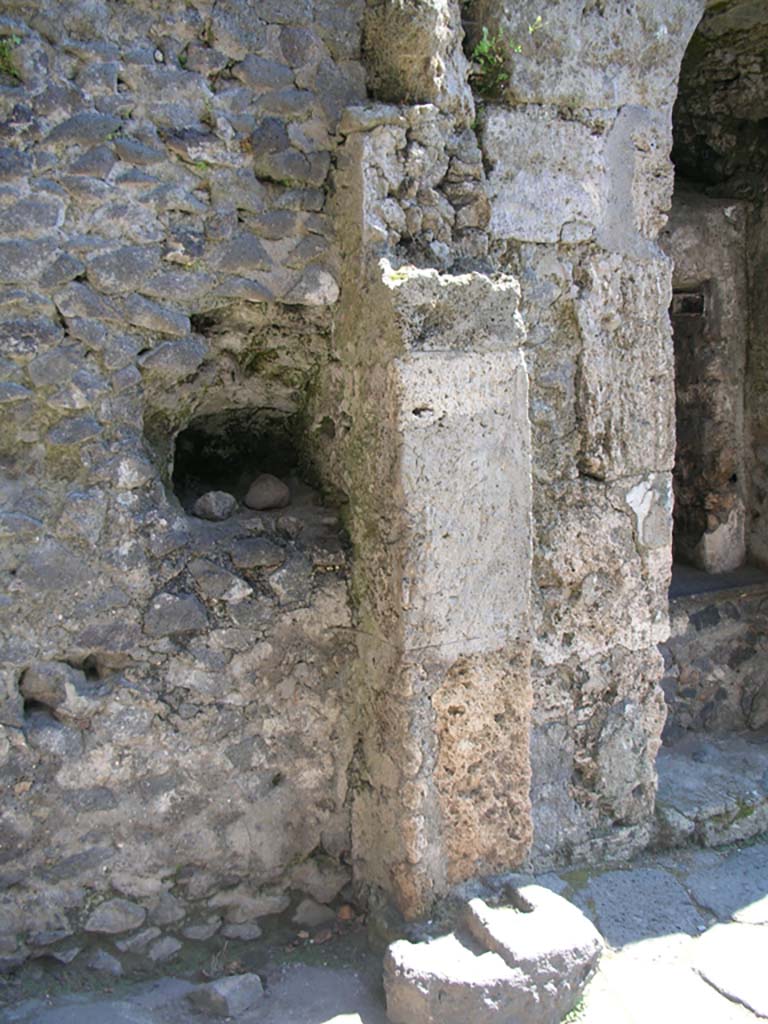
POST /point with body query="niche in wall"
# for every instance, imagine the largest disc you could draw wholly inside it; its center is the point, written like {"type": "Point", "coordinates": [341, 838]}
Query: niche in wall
{"type": "Point", "coordinates": [709, 513]}
{"type": "Point", "coordinates": [226, 450]}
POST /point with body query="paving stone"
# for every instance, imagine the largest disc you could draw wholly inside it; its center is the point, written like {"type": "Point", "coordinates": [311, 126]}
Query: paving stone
{"type": "Point", "coordinates": [638, 903]}
{"type": "Point", "coordinates": [635, 993]}
{"type": "Point", "coordinates": [733, 958]}
{"type": "Point", "coordinates": [735, 887]}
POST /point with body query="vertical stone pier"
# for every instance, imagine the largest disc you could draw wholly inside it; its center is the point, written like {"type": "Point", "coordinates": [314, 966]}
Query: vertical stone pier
{"type": "Point", "coordinates": [431, 442]}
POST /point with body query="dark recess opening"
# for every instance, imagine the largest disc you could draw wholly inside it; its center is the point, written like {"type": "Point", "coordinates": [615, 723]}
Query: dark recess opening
{"type": "Point", "coordinates": [225, 451]}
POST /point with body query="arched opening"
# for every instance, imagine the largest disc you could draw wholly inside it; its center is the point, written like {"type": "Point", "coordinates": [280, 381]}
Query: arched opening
{"type": "Point", "coordinates": [715, 236]}
{"type": "Point", "coordinates": [715, 755]}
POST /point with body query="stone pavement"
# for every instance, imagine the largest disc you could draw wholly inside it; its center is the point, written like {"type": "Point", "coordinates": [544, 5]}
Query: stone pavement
{"type": "Point", "coordinates": [688, 937]}
{"type": "Point", "coordinates": [688, 941]}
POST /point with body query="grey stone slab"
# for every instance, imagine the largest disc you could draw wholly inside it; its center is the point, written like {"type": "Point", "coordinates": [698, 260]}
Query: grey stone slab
{"type": "Point", "coordinates": [736, 887]}
{"type": "Point", "coordinates": [639, 903]}
{"type": "Point", "coordinates": [624, 993]}
{"type": "Point", "coordinates": [712, 789]}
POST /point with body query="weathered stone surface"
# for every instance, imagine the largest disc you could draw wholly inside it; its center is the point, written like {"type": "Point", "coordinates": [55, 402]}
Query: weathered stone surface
{"type": "Point", "coordinates": [266, 492]}
{"type": "Point", "coordinates": [174, 360]}
{"type": "Point", "coordinates": [311, 914]}
{"type": "Point", "coordinates": [446, 981]}
{"type": "Point", "coordinates": [106, 963]}
{"type": "Point", "coordinates": [164, 949]}
{"type": "Point", "coordinates": [171, 615]}
{"type": "Point", "coordinates": [730, 958]}
{"type": "Point", "coordinates": [530, 961]}
{"type": "Point", "coordinates": [50, 683]}
{"type": "Point", "coordinates": [174, 250]}
{"type": "Point", "coordinates": [551, 941]}
{"type": "Point", "coordinates": [115, 916]}
{"type": "Point", "coordinates": [85, 128]}
{"type": "Point", "coordinates": [256, 554]}
{"type": "Point", "coordinates": [227, 996]}
{"type": "Point", "coordinates": [414, 54]}
{"type": "Point", "coordinates": [215, 505]}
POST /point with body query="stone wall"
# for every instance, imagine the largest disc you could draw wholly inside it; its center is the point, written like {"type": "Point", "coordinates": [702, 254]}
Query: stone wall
{"type": "Point", "coordinates": [706, 240]}
{"type": "Point", "coordinates": [579, 182]}
{"type": "Point", "coordinates": [295, 241]}
{"type": "Point", "coordinates": [715, 663]}
{"type": "Point", "coordinates": [177, 720]}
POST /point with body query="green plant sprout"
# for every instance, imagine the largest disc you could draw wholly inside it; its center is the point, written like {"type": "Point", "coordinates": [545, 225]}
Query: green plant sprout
{"type": "Point", "coordinates": [7, 46]}
{"type": "Point", "coordinates": [489, 57]}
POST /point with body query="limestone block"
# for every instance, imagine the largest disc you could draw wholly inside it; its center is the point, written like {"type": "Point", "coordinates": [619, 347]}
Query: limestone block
{"type": "Point", "coordinates": [594, 56]}
{"type": "Point", "coordinates": [464, 418]}
{"type": "Point", "coordinates": [625, 396]}
{"type": "Point", "coordinates": [545, 173]}
{"type": "Point", "coordinates": [482, 772]}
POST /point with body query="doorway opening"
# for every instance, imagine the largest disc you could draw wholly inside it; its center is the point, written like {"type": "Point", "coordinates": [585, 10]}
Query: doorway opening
{"type": "Point", "coordinates": [715, 743]}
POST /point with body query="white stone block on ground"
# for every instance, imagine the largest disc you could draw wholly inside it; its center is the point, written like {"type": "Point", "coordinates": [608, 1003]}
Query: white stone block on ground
{"type": "Point", "coordinates": [548, 939]}
{"type": "Point", "coordinates": [448, 982]}
{"type": "Point", "coordinates": [528, 963]}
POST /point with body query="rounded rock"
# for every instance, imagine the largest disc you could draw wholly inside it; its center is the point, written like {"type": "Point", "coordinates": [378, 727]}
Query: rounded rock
{"type": "Point", "coordinates": [214, 505]}
{"type": "Point", "coordinates": [266, 492]}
